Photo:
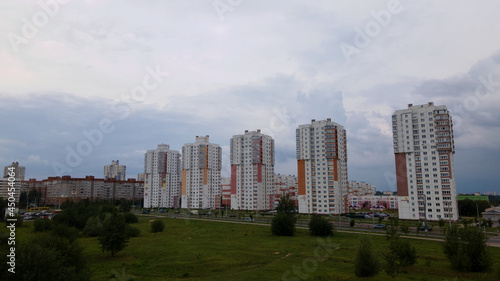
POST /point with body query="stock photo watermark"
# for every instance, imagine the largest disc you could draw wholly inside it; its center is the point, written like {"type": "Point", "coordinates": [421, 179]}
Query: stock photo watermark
{"type": "Point", "coordinates": [222, 7]}
{"type": "Point", "coordinates": [122, 108]}
{"type": "Point", "coordinates": [373, 28]}
{"type": "Point", "coordinates": [31, 26]}
{"type": "Point", "coordinates": [310, 264]}
{"type": "Point", "coordinates": [11, 218]}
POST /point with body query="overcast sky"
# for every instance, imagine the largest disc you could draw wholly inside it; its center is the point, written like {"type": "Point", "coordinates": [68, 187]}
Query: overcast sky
{"type": "Point", "coordinates": [87, 82]}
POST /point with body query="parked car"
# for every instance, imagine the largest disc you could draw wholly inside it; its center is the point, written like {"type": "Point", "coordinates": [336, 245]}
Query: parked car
{"type": "Point", "coordinates": [426, 227]}
{"type": "Point", "coordinates": [368, 217]}
{"type": "Point", "coordinates": [379, 226]}
{"type": "Point", "coordinates": [248, 219]}
{"type": "Point", "coordinates": [232, 215]}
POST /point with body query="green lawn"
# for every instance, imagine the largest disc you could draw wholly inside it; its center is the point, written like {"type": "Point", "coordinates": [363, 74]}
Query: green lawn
{"type": "Point", "coordinates": [202, 250]}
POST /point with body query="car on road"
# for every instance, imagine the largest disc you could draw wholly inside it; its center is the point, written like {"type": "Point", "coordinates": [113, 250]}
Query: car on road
{"type": "Point", "coordinates": [381, 226]}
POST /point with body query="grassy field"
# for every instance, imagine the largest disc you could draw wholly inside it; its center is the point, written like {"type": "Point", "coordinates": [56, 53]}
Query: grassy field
{"type": "Point", "coordinates": [203, 250]}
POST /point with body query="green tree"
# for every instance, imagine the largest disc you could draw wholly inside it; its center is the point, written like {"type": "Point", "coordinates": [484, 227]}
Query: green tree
{"type": "Point", "coordinates": [283, 223]}
{"type": "Point", "coordinates": [401, 252]}
{"type": "Point", "coordinates": [49, 257]}
{"type": "Point", "coordinates": [35, 197]}
{"type": "Point", "coordinates": [366, 263]}
{"type": "Point", "coordinates": [157, 226]}
{"type": "Point", "coordinates": [319, 226]}
{"type": "Point", "coordinates": [93, 227]}
{"type": "Point", "coordinates": [130, 218]}
{"type": "Point", "coordinates": [23, 199]}
{"type": "Point", "coordinates": [466, 249]}
{"type": "Point", "coordinates": [113, 238]}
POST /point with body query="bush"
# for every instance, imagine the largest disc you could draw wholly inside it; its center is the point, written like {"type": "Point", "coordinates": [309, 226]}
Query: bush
{"type": "Point", "coordinates": [157, 226]}
{"type": "Point", "coordinates": [366, 264]}
{"type": "Point", "coordinates": [283, 225]}
{"type": "Point", "coordinates": [466, 249]}
{"type": "Point", "coordinates": [130, 218]}
{"type": "Point", "coordinates": [48, 257]}
{"type": "Point", "coordinates": [63, 231]}
{"type": "Point", "coordinates": [318, 226]}
{"type": "Point", "coordinates": [352, 223]}
{"type": "Point", "coordinates": [41, 225]}
{"type": "Point", "coordinates": [132, 231]}
{"type": "Point", "coordinates": [93, 227]}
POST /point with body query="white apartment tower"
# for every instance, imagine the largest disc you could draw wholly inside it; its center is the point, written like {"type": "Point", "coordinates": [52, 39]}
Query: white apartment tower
{"type": "Point", "coordinates": [162, 169]}
{"type": "Point", "coordinates": [424, 148]}
{"type": "Point", "coordinates": [322, 167]}
{"type": "Point", "coordinates": [115, 171]}
{"type": "Point", "coordinates": [201, 174]}
{"type": "Point", "coordinates": [252, 170]}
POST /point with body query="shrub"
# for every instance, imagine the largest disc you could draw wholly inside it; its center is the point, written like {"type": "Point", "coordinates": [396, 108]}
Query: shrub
{"type": "Point", "coordinates": [466, 249]}
{"type": "Point", "coordinates": [318, 226]}
{"type": "Point", "coordinates": [64, 231]}
{"type": "Point", "coordinates": [352, 223]}
{"type": "Point", "coordinates": [93, 227]}
{"type": "Point", "coordinates": [132, 231]}
{"type": "Point", "coordinates": [41, 225]}
{"type": "Point", "coordinates": [366, 264]}
{"type": "Point", "coordinates": [283, 225]}
{"type": "Point", "coordinates": [130, 218]}
{"type": "Point", "coordinates": [157, 226]}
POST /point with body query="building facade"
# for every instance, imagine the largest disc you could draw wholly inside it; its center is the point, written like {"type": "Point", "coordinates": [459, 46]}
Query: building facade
{"type": "Point", "coordinates": [284, 184]}
{"type": "Point", "coordinates": [322, 167]}
{"type": "Point", "coordinates": [115, 171]}
{"type": "Point", "coordinates": [252, 170]}
{"type": "Point", "coordinates": [373, 202]}
{"type": "Point", "coordinates": [162, 170]}
{"type": "Point", "coordinates": [226, 192]}
{"type": "Point", "coordinates": [356, 188]}
{"type": "Point", "coordinates": [56, 190]}
{"type": "Point", "coordinates": [201, 174]}
{"type": "Point", "coordinates": [7, 182]}
{"type": "Point", "coordinates": [424, 149]}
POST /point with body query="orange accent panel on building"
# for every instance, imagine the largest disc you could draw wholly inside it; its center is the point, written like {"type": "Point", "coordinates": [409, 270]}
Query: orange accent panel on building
{"type": "Point", "coordinates": [301, 177]}
{"type": "Point", "coordinates": [401, 174]}
{"type": "Point", "coordinates": [183, 183]}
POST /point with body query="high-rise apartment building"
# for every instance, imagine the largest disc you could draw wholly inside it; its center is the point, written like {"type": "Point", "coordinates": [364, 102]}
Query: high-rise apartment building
{"type": "Point", "coordinates": [115, 171]}
{"type": "Point", "coordinates": [322, 167]}
{"type": "Point", "coordinates": [424, 148]}
{"type": "Point", "coordinates": [162, 169]}
{"type": "Point", "coordinates": [15, 181]}
{"type": "Point", "coordinates": [201, 174]}
{"type": "Point", "coordinates": [252, 170]}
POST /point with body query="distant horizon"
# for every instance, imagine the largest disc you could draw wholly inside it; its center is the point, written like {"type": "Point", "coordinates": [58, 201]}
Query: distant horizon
{"type": "Point", "coordinates": [114, 80]}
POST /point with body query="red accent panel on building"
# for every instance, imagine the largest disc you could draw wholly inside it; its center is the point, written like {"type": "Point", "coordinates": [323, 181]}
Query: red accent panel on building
{"type": "Point", "coordinates": [233, 179]}
{"type": "Point", "coordinates": [401, 174]}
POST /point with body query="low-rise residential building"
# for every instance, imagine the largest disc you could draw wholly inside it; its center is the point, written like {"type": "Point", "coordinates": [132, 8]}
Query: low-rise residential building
{"type": "Point", "coordinates": [373, 202]}
{"type": "Point", "coordinates": [360, 188]}
{"type": "Point", "coordinates": [56, 190]}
